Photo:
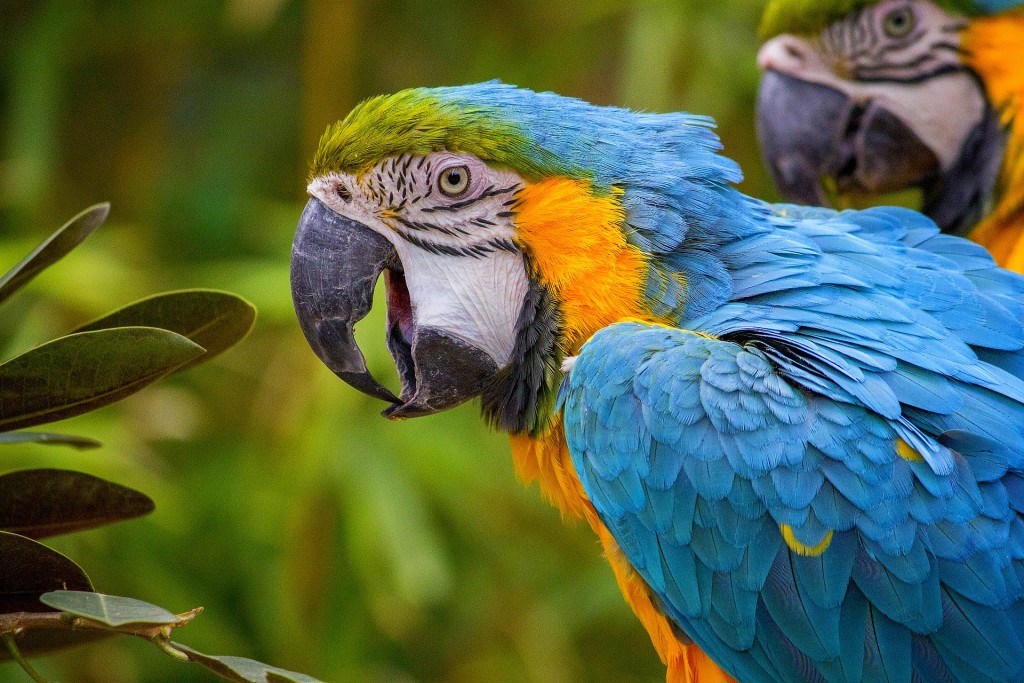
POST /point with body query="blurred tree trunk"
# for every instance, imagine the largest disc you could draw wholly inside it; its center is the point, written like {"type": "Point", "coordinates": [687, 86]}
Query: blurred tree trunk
{"type": "Point", "coordinates": [654, 32]}
{"type": "Point", "coordinates": [38, 63]}
{"type": "Point", "coordinates": [329, 66]}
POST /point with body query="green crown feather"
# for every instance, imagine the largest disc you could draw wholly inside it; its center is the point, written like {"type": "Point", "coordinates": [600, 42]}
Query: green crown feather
{"type": "Point", "coordinates": [416, 121]}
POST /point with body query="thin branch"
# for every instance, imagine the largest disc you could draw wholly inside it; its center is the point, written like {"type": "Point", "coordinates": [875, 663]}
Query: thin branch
{"type": "Point", "coordinates": [17, 622]}
{"type": "Point", "coordinates": [165, 644]}
{"type": "Point", "coordinates": [12, 647]}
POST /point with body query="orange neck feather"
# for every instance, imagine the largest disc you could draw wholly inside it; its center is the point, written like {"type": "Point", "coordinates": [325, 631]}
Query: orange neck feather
{"type": "Point", "coordinates": [576, 244]}
{"type": "Point", "coordinates": [994, 47]}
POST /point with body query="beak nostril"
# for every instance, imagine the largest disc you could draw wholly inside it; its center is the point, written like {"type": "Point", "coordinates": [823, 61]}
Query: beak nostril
{"type": "Point", "coordinates": [783, 53]}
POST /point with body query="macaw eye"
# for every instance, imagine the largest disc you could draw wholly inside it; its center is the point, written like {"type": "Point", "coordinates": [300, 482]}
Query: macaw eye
{"type": "Point", "coordinates": [899, 22]}
{"type": "Point", "coordinates": [454, 181]}
{"type": "Point", "coordinates": [343, 193]}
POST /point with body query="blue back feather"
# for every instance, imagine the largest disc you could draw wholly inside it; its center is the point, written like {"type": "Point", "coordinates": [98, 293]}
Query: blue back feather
{"type": "Point", "coordinates": [747, 461]}
{"type": "Point", "coordinates": [809, 343]}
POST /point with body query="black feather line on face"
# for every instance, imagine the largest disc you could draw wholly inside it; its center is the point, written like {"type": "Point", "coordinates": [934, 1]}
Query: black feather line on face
{"type": "Point", "coordinates": [864, 76]}
{"type": "Point", "coordinates": [521, 398]}
{"type": "Point", "coordinates": [956, 200]}
{"type": "Point", "coordinates": [489, 192]}
{"type": "Point", "coordinates": [420, 226]}
{"type": "Point", "coordinates": [473, 250]}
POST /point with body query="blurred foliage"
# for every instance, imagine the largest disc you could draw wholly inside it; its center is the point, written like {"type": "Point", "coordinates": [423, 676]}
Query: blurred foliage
{"type": "Point", "coordinates": [47, 601]}
{"type": "Point", "coordinates": [319, 536]}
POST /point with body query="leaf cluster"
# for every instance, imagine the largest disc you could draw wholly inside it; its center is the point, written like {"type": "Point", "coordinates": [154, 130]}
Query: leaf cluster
{"type": "Point", "coordinates": [47, 601]}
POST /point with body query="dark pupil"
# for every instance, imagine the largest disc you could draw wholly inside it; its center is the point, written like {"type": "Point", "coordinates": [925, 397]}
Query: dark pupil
{"type": "Point", "coordinates": [899, 21]}
{"type": "Point", "coordinates": [454, 178]}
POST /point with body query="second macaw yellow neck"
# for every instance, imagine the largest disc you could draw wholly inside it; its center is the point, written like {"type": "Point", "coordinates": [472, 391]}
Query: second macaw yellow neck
{"type": "Point", "coordinates": [995, 50]}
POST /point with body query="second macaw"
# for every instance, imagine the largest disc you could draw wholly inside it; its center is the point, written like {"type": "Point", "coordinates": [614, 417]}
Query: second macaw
{"type": "Point", "coordinates": [884, 95]}
{"type": "Point", "coordinates": [798, 434]}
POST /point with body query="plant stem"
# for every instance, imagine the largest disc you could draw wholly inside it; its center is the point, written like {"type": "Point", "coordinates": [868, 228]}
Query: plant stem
{"type": "Point", "coordinates": [16, 622]}
{"type": "Point", "coordinates": [12, 647]}
{"type": "Point", "coordinates": [168, 648]}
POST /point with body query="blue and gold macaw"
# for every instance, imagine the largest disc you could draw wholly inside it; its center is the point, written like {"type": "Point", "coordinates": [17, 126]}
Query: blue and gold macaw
{"type": "Point", "coordinates": [798, 434]}
{"type": "Point", "coordinates": [877, 96]}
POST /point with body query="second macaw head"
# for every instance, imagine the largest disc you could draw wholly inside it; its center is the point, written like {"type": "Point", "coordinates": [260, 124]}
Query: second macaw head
{"type": "Point", "coordinates": [880, 96]}
{"type": "Point", "coordinates": [509, 226]}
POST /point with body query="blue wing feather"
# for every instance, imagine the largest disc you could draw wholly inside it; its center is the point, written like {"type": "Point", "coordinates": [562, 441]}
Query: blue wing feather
{"type": "Point", "coordinates": [721, 445]}
{"type": "Point", "coordinates": [887, 649]}
{"type": "Point", "coordinates": [754, 478]}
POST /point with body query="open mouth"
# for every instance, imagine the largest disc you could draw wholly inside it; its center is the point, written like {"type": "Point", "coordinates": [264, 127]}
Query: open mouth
{"type": "Point", "coordinates": [336, 264]}
{"type": "Point", "coordinates": [818, 141]}
{"type": "Point", "coordinates": [845, 165]}
{"type": "Point", "coordinates": [400, 329]}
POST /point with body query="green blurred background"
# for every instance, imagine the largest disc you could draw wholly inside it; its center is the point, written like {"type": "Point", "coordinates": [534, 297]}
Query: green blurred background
{"type": "Point", "coordinates": [318, 536]}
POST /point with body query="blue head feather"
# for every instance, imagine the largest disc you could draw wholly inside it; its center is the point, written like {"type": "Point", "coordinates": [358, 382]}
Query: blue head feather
{"type": "Point", "coordinates": [677, 187]}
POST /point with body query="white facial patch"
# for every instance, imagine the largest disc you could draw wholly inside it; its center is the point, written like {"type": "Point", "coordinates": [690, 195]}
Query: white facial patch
{"type": "Point", "coordinates": [478, 300]}
{"type": "Point", "coordinates": [449, 218]}
{"type": "Point", "coordinates": [942, 112]}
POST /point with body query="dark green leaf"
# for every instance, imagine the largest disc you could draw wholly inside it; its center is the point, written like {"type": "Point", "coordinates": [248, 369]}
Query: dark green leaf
{"type": "Point", "coordinates": [244, 670]}
{"type": "Point", "coordinates": [53, 248]}
{"type": "Point", "coordinates": [28, 569]}
{"type": "Point", "coordinates": [81, 372]}
{"type": "Point", "coordinates": [112, 610]}
{"type": "Point", "coordinates": [48, 439]}
{"type": "Point", "coordinates": [47, 502]}
{"type": "Point", "coordinates": [215, 320]}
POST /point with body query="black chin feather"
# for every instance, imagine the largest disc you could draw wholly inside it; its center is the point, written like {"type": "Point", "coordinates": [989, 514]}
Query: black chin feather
{"type": "Point", "coordinates": [956, 199]}
{"type": "Point", "coordinates": [521, 398]}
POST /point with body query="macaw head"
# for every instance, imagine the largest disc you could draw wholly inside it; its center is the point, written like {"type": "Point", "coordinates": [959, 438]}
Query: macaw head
{"type": "Point", "coordinates": [877, 96]}
{"type": "Point", "coordinates": [509, 226]}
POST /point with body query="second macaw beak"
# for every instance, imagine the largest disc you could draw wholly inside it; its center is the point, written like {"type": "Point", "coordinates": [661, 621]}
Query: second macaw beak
{"type": "Point", "coordinates": [809, 131]}
{"type": "Point", "coordinates": [336, 262]}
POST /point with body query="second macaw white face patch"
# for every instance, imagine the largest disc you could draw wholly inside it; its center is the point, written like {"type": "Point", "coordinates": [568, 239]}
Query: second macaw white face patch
{"type": "Point", "coordinates": [449, 217]}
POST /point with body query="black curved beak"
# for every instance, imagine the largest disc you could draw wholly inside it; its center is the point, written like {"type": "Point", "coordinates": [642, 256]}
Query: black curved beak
{"type": "Point", "coordinates": [799, 125]}
{"type": "Point", "coordinates": [809, 131]}
{"type": "Point", "coordinates": [335, 265]}
{"type": "Point", "coordinates": [336, 262]}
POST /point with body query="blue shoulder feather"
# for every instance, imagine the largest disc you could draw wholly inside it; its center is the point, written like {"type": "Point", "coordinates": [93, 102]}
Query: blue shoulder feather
{"type": "Point", "coordinates": [780, 527]}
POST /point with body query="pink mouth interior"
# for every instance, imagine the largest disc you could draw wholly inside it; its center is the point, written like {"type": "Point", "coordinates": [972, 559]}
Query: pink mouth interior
{"type": "Point", "coordinates": [399, 304]}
